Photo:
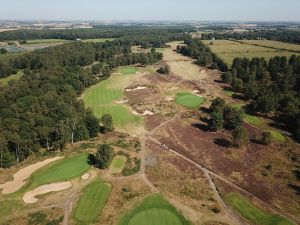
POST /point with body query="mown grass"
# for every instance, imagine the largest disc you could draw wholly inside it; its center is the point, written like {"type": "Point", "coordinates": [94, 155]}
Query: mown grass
{"type": "Point", "coordinates": [42, 41]}
{"type": "Point", "coordinates": [277, 135]}
{"type": "Point", "coordinates": [188, 100]}
{"type": "Point", "coordinates": [128, 70]}
{"type": "Point", "coordinates": [154, 210]}
{"type": "Point", "coordinates": [98, 40]}
{"type": "Point", "coordinates": [253, 120]}
{"type": "Point", "coordinates": [100, 98]}
{"type": "Point", "coordinates": [92, 200]}
{"type": "Point", "coordinates": [61, 170]}
{"type": "Point", "coordinates": [118, 164]}
{"type": "Point", "coordinates": [16, 76]}
{"type": "Point", "coordinates": [253, 213]}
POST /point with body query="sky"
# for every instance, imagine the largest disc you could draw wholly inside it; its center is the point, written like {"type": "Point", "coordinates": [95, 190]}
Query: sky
{"type": "Point", "coordinates": [215, 10]}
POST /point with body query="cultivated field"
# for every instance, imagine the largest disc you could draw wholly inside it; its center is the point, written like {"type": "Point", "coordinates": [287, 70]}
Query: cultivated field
{"type": "Point", "coordinates": [228, 50]}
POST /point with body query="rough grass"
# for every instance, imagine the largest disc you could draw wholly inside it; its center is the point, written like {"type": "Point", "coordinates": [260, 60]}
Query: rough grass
{"type": "Point", "coordinates": [277, 135]}
{"type": "Point", "coordinates": [228, 50]}
{"type": "Point", "coordinates": [252, 213]}
{"type": "Point", "coordinates": [16, 76]}
{"type": "Point", "coordinates": [189, 100]}
{"type": "Point", "coordinates": [8, 207]}
{"type": "Point", "coordinates": [100, 98]}
{"type": "Point", "coordinates": [92, 201]}
{"type": "Point", "coordinates": [118, 164]}
{"type": "Point", "coordinates": [62, 170]}
{"type": "Point", "coordinates": [154, 210]}
{"type": "Point", "coordinates": [274, 44]}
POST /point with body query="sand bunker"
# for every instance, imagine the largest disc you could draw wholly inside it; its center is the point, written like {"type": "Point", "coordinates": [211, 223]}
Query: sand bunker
{"type": "Point", "coordinates": [146, 112]}
{"type": "Point", "coordinates": [85, 176]}
{"type": "Point", "coordinates": [136, 89]}
{"type": "Point", "coordinates": [21, 176]}
{"type": "Point", "coordinates": [121, 101]}
{"type": "Point", "coordinates": [30, 197]}
{"type": "Point", "coordinates": [170, 98]}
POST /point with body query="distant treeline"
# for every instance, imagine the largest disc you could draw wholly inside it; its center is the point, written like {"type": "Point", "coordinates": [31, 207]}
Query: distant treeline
{"type": "Point", "coordinates": [199, 51]}
{"type": "Point", "coordinates": [42, 109]}
{"type": "Point", "coordinates": [276, 35]}
{"type": "Point", "coordinates": [272, 87]}
{"type": "Point", "coordinates": [99, 32]}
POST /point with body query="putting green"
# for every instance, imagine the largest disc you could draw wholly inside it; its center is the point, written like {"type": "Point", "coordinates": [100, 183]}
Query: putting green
{"type": "Point", "coordinates": [189, 100]}
{"type": "Point", "coordinates": [254, 214]}
{"type": "Point", "coordinates": [92, 201]}
{"type": "Point", "coordinates": [117, 164]}
{"type": "Point", "coordinates": [154, 210]}
{"type": "Point", "coordinates": [62, 170]}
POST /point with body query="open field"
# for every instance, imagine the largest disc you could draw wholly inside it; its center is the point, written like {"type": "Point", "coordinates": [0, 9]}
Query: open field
{"type": "Point", "coordinates": [62, 170]}
{"type": "Point", "coordinates": [40, 41]}
{"type": "Point", "coordinates": [102, 96]}
{"type": "Point", "coordinates": [98, 40]}
{"type": "Point", "coordinates": [154, 210]}
{"type": "Point", "coordinates": [273, 44]}
{"type": "Point", "coordinates": [252, 213]}
{"type": "Point", "coordinates": [92, 201]}
{"type": "Point", "coordinates": [117, 164]}
{"type": "Point", "coordinates": [228, 50]}
{"type": "Point", "coordinates": [189, 100]}
{"type": "Point", "coordinates": [16, 76]}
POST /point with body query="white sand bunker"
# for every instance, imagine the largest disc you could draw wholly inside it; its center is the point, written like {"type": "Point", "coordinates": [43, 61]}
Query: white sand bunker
{"type": "Point", "coordinates": [121, 101]}
{"type": "Point", "coordinates": [30, 197]}
{"type": "Point", "coordinates": [146, 112]}
{"type": "Point", "coordinates": [170, 98]}
{"type": "Point", "coordinates": [21, 176]}
{"type": "Point", "coordinates": [136, 89]}
{"type": "Point", "coordinates": [85, 176]}
{"type": "Point", "coordinates": [196, 91]}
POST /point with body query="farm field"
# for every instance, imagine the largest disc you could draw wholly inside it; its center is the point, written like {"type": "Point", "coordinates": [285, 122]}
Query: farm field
{"type": "Point", "coordinates": [254, 214]}
{"type": "Point", "coordinates": [117, 164]}
{"type": "Point", "coordinates": [16, 76]}
{"type": "Point", "coordinates": [62, 170]}
{"type": "Point", "coordinates": [154, 210]}
{"type": "Point", "coordinates": [91, 202]}
{"type": "Point", "coordinates": [102, 96]}
{"type": "Point", "coordinates": [189, 100]}
{"type": "Point", "coordinates": [228, 50]}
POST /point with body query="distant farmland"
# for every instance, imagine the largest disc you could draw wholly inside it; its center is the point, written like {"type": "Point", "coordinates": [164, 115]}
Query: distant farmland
{"type": "Point", "coordinates": [228, 50]}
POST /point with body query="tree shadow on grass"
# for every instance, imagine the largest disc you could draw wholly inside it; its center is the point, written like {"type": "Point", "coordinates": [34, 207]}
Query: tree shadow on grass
{"type": "Point", "coordinates": [91, 159]}
{"type": "Point", "coordinates": [222, 142]}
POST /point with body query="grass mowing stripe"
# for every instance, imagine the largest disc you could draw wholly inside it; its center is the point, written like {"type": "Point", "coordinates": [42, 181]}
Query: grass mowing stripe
{"type": "Point", "coordinates": [92, 201]}
{"type": "Point", "coordinates": [62, 170]}
{"type": "Point", "coordinates": [254, 214]}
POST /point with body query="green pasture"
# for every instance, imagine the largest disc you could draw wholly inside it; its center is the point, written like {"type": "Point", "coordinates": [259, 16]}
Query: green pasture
{"type": "Point", "coordinates": [188, 100]}
{"type": "Point", "coordinates": [92, 201]}
{"type": "Point", "coordinates": [154, 210]}
{"type": "Point", "coordinates": [118, 164]}
{"type": "Point", "coordinates": [61, 170]}
{"type": "Point", "coordinates": [252, 213]}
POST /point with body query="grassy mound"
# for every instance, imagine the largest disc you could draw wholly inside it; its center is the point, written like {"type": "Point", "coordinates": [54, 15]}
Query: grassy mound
{"type": "Point", "coordinates": [189, 100]}
{"type": "Point", "coordinates": [254, 214]}
{"type": "Point", "coordinates": [62, 170]}
{"type": "Point", "coordinates": [92, 201]}
{"type": "Point", "coordinates": [154, 210]}
{"type": "Point", "coordinates": [118, 164]}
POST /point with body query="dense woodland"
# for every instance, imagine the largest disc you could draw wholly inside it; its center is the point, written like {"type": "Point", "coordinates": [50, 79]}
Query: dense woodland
{"type": "Point", "coordinates": [199, 51]}
{"type": "Point", "coordinates": [98, 32]}
{"type": "Point", "coordinates": [42, 109]}
{"type": "Point", "coordinates": [272, 87]}
{"type": "Point", "coordinates": [276, 35]}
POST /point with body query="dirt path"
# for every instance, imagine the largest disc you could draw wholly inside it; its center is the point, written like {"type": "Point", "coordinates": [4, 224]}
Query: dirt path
{"type": "Point", "coordinates": [21, 176]}
{"type": "Point", "coordinates": [209, 173]}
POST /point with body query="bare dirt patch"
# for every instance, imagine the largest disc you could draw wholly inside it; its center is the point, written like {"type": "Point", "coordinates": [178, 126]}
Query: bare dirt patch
{"type": "Point", "coordinates": [21, 176]}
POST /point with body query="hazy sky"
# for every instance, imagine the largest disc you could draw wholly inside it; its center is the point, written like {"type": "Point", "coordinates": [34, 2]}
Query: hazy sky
{"type": "Point", "coordinates": [279, 10]}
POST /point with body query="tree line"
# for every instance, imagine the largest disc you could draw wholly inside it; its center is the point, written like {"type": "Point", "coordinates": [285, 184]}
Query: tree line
{"type": "Point", "coordinates": [42, 108]}
{"type": "Point", "coordinates": [196, 49]}
{"type": "Point", "coordinates": [92, 33]}
{"type": "Point", "coordinates": [276, 35]}
{"type": "Point", "coordinates": [273, 87]}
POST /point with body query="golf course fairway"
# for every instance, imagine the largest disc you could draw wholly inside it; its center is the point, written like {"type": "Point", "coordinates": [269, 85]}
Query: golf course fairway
{"type": "Point", "coordinates": [154, 210]}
